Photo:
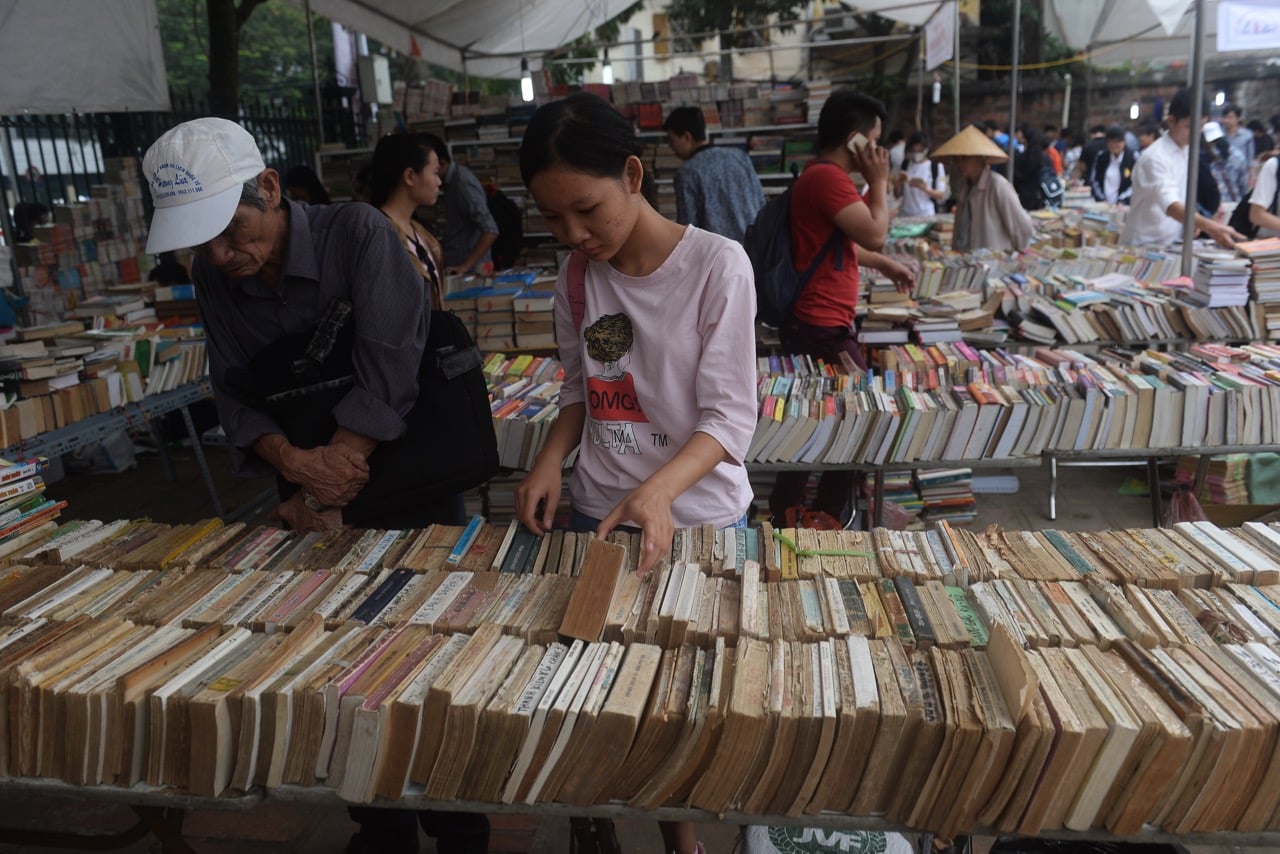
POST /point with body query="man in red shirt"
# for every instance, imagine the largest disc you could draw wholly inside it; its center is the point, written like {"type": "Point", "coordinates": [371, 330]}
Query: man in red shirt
{"type": "Point", "coordinates": [826, 201]}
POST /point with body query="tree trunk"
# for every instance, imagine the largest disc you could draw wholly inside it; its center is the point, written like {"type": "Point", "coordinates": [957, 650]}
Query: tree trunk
{"type": "Point", "coordinates": [224, 53]}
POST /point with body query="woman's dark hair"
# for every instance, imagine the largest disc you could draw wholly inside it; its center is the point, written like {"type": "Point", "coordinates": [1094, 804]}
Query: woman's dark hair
{"type": "Point", "coordinates": [583, 133]}
{"type": "Point", "coordinates": [395, 153]}
{"type": "Point", "coordinates": [304, 177]}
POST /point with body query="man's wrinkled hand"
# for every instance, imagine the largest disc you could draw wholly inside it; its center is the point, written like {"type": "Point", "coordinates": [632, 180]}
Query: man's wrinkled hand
{"type": "Point", "coordinates": [298, 517]}
{"type": "Point", "coordinates": [334, 474]}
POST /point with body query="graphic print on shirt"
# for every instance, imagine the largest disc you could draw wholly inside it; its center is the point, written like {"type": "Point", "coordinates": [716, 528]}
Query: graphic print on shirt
{"type": "Point", "coordinates": [613, 408]}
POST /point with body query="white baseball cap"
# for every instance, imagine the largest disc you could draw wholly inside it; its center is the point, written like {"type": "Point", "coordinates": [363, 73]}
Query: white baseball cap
{"type": "Point", "coordinates": [196, 172]}
{"type": "Point", "coordinates": [1213, 132]}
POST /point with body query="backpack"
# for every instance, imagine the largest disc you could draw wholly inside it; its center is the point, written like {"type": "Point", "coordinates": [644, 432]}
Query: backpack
{"type": "Point", "coordinates": [509, 218]}
{"type": "Point", "coordinates": [1052, 188]}
{"type": "Point", "coordinates": [1240, 216]}
{"type": "Point", "coordinates": [768, 245]}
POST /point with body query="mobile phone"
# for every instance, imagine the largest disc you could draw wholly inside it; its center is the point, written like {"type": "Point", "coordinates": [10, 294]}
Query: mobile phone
{"type": "Point", "coordinates": [857, 142]}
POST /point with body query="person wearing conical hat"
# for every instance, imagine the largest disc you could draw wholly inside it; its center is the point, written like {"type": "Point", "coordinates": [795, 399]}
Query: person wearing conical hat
{"type": "Point", "coordinates": [988, 213]}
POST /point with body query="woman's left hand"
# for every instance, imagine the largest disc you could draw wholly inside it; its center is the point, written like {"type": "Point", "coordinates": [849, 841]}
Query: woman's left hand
{"type": "Point", "coordinates": [647, 507]}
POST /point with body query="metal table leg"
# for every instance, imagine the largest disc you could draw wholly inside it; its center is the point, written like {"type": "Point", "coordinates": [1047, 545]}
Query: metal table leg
{"type": "Point", "coordinates": [1052, 462]}
{"type": "Point", "coordinates": [162, 822]}
{"type": "Point", "coordinates": [878, 517]}
{"type": "Point", "coordinates": [1153, 486]}
{"type": "Point", "coordinates": [202, 462]}
{"type": "Point", "coordinates": [166, 461]}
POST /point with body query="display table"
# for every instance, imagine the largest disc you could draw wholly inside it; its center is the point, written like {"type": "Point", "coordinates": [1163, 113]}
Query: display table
{"type": "Point", "coordinates": [144, 413]}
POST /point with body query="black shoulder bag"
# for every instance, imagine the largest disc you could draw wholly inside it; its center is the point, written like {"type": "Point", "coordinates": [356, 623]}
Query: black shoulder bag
{"type": "Point", "coordinates": [449, 446]}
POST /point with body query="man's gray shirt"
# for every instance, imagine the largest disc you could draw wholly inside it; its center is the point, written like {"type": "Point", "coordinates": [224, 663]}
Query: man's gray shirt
{"type": "Point", "coordinates": [349, 252]}
{"type": "Point", "coordinates": [466, 215]}
{"type": "Point", "coordinates": [717, 189]}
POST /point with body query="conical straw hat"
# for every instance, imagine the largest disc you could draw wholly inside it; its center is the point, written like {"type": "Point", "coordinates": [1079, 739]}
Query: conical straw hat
{"type": "Point", "coordinates": [971, 142]}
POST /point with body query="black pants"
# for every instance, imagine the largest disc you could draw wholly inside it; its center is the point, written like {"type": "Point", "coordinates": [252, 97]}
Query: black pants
{"type": "Point", "coordinates": [391, 831]}
{"type": "Point", "coordinates": [834, 487]}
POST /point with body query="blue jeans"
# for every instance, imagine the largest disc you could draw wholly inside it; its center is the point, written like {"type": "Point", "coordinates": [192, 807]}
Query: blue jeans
{"type": "Point", "coordinates": [582, 523]}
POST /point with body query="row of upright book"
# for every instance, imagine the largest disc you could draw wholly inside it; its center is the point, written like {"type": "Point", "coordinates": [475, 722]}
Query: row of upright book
{"type": "Point", "coordinates": [942, 680]}
{"type": "Point", "coordinates": [523, 394]}
{"type": "Point", "coordinates": [950, 402]}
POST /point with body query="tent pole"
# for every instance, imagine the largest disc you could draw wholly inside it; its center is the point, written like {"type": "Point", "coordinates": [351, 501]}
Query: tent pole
{"type": "Point", "coordinates": [315, 73]}
{"type": "Point", "coordinates": [924, 60]}
{"type": "Point", "coordinates": [955, 64]}
{"type": "Point", "coordinates": [1088, 86]}
{"type": "Point", "coordinates": [1013, 83]}
{"type": "Point", "coordinates": [1197, 114]}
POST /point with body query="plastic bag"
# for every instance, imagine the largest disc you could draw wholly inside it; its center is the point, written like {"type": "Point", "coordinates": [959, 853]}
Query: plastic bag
{"type": "Point", "coordinates": [1183, 506]}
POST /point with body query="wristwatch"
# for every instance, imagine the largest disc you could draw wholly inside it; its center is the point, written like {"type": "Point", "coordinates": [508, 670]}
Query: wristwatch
{"type": "Point", "coordinates": [311, 502]}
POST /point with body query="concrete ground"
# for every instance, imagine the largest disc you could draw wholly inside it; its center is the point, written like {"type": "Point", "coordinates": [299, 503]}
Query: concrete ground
{"type": "Point", "coordinates": [1088, 498]}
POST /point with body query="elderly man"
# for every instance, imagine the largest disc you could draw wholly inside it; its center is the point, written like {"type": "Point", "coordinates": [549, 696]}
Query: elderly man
{"type": "Point", "coordinates": [268, 269]}
{"type": "Point", "coordinates": [1157, 208]}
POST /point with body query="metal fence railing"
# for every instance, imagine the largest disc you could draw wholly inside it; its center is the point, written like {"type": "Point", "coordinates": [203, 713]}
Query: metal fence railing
{"type": "Point", "coordinates": [53, 159]}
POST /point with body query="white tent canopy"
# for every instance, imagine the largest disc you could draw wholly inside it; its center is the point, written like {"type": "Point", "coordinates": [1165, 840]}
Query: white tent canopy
{"type": "Point", "coordinates": [482, 38]}
{"type": "Point", "coordinates": [63, 56]}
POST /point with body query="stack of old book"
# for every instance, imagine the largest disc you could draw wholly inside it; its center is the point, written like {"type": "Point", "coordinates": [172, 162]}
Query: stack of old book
{"type": "Point", "coordinates": [1226, 481]}
{"type": "Point", "coordinates": [1221, 278]}
{"type": "Point", "coordinates": [535, 319]}
{"type": "Point", "coordinates": [1264, 256]}
{"type": "Point", "coordinates": [941, 679]}
{"type": "Point", "coordinates": [947, 494]}
{"type": "Point", "coordinates": [89, 246]}
{"type": "Point", "coordinates": [25, 510]}
{"type": "Point", "coordinates": [175, 305]}
{"type": "Point", "coordinates": [486, 309]}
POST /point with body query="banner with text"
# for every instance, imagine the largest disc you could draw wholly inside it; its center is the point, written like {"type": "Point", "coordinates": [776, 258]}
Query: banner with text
{"type": "Point", "coordinates": [940, 37]}
{"type": "Point", "coordinates": [1246, 25]}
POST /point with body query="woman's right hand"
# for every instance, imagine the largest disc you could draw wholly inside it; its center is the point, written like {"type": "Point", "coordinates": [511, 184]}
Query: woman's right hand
{"type": "Point", "coordinates": [538, 495]}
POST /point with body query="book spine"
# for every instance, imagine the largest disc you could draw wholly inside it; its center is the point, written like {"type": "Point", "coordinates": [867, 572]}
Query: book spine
{"type": "Point", "coordinates": [921, 626]}
{"type": "Point", "coordinates": [1064, 548]}
{"type": "Point", "coordinates": [978, 635]}
{"type": "Point", "coordinates": [469, 534]}
{"type": "Point", "coordinates": [896, 612]}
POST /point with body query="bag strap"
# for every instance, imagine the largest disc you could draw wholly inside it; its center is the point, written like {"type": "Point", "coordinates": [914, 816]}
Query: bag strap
{"type": "Point", "coordinates": [833, 244]}
{"type": "Point", "coordinates": [576, 285]}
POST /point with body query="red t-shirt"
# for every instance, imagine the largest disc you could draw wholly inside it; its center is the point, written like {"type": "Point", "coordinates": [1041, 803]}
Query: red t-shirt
{"type": "Point", "coordinates": [821, 192]}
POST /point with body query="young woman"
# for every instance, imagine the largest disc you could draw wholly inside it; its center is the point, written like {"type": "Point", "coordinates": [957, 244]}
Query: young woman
{"type": "Point", "coordinates": [660, 373]}
{"type": "Point", "coordinates": [406, 175]}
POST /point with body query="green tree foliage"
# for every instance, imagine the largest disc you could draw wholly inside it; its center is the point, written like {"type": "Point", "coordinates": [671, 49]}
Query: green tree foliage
{"type": "Point", "coordinates": [583, 51]}
{"type": "Point", "coordinates": [995, 43]}
{"type": "Point", "coordinates": [732, 20]}
{"type": "Point", "coordinates": [274, 59]}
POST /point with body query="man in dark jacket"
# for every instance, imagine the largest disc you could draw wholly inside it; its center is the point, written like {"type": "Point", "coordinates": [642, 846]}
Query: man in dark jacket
{"type": "Point", "coordinates": [1109, 178]}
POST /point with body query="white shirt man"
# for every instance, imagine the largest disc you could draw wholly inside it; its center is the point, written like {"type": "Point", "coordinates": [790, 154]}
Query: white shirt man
{"type": "Point", "coordinates": [1158, 206]}
{"type": "Point", "coordinates": [1260, 202]}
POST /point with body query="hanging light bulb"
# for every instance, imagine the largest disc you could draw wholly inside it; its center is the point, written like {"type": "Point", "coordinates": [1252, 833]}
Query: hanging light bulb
{"type": "Point", "coordinates": [1220, 98]}
{"type": "Point", "coordinates": [606, 70]}
{"type": "Point", "coordinates": [1135, 110]}
{"type": "Point", "coordinates": [526, 81]}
